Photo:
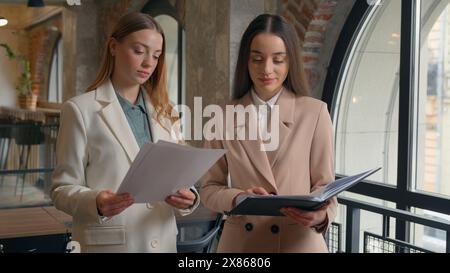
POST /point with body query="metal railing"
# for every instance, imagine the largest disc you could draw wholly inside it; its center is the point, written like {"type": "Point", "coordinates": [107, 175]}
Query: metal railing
{"type": "Point", "coordinates": [374, 243]}
{"type": "Point", "coordinates": [353, 224]}
{"type": "Point", "coordinates": [333, 238]}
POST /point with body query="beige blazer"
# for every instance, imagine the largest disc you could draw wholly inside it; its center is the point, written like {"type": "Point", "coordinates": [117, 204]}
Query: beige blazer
{"type": "Point", "coordinates": [95, 149]}
{"type": "Point", "coordinates": [303, 162]}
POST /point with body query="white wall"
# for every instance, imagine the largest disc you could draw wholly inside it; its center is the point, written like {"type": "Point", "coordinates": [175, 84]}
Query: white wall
{"type": "Point", "coordinates": [9, 69]}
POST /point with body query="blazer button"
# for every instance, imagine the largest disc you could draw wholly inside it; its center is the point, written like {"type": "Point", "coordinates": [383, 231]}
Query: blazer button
{"type": "Point", "coordinates": [248, 226]}
{"type": "Point", "coordinates": [154, 243]}
{"type": "Point", "coordinates": [275, 229]}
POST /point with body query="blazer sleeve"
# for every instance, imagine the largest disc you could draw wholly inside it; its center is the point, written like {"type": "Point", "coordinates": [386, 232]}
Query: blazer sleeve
{"type": "Point", "coordinates": [184, 212]}
{"type": "Point", "coordinates": [214, 190]}
{"type": "Point", "coordinates": [322, 162]}
{"type": "Point", "coordinates": [69, 191]}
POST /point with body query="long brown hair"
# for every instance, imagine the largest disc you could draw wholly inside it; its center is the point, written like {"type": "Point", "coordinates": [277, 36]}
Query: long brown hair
{"type": "Point", "coordinates": [156, 86]}
{"type": "Point", "coordinates": [266, 23]}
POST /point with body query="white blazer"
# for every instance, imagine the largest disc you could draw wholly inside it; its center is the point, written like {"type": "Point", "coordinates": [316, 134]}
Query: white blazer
{"type": "Point", "coordinates": [94, 151]}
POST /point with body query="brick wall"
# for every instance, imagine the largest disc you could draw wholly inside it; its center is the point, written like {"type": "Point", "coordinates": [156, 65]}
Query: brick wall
{"type": "Point", "coordinates": [310, 19]}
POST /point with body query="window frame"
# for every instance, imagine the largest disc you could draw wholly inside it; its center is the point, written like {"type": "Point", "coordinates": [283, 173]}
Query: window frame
{"type": "Point", "coordinates": [59, 70]}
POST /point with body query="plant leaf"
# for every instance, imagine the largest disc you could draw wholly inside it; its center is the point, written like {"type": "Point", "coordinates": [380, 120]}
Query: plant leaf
{"type": "Point", "coordinates": [9, 51]}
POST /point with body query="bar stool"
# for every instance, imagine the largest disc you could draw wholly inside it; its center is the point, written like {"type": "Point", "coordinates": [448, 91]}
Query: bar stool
{"type": "Point", "coordinates": [26, 134]}
{"type": "Point", "coordinates": [5, 143]}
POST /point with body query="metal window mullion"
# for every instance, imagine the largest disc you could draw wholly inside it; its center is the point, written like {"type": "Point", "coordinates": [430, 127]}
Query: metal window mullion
{"type": "Point", "coordinates": [406, 108]}
{"type": "Point", "coordinates": [447, 244]}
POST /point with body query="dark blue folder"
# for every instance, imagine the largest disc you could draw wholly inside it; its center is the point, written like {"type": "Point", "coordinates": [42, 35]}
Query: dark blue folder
{"type": "Point", "coordinates": [270, 205]}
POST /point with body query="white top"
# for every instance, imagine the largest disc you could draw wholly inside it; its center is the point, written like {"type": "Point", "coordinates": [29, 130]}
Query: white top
{"type": "Point", "coordinates": [263, 112]}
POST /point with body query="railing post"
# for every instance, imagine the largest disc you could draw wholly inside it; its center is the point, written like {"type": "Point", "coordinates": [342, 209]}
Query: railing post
{"type": "Point", "coordinates": [386, 223]}
{"type": "Point", "coordinates": [352, 230]}
{"type": "Point", "coordinates": [447, 245]}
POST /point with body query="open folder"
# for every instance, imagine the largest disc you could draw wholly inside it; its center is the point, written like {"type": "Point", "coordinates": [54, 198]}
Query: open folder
{"type": "Point", "coordinates": [270, 205]}
{"type": "Point", "coordinates": [162, 168]}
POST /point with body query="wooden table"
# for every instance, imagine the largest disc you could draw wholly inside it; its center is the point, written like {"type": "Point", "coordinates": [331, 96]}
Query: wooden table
{"type": "Point", "coordinates": [34, 221]}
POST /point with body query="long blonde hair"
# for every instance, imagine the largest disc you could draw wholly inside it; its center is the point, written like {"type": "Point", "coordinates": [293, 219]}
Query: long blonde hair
{"type": "Point", "coordinates": [156, 85]}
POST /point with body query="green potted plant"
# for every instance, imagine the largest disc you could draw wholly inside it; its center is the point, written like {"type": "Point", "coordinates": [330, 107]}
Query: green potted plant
{"type": "Point", "coordinates": [27, 99]}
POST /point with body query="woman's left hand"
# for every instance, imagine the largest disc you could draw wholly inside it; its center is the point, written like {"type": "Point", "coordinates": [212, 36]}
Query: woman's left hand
{"type": "Point", "coordinates": [183, 199]}
{"type": "Point", "coordinates": [307, 218]}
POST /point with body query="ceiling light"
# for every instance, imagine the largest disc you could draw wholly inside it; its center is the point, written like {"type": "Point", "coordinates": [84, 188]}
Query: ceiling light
{"type": "Point", "coordinates": [3, 21]}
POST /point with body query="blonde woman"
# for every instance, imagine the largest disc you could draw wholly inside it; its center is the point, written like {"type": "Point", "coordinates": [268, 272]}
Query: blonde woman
{"type": "Point", "coordinates": [100, 134]}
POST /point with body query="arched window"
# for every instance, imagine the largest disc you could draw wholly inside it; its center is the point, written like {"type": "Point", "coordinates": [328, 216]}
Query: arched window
{"type": "Point", "coordinates": [55, 79]}
{"type": "Point", "coordinates": [170, 26]}
{"type": "Point", "coordinates": [366, 116]}
{"type": "Point", "coordinates": [389, 90]}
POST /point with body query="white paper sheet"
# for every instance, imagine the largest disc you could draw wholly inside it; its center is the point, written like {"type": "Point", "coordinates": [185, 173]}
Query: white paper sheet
{"type": "Point", "coordinates": [161, 169]}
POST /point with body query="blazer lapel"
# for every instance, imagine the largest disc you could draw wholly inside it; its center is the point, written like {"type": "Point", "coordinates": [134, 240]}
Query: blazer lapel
{"type": "Point", "coordinates": [286, 104]}
{"type": "Point", "coordinates": [116, 120]}
{"type": "Point", "coordinates": [253, 147]}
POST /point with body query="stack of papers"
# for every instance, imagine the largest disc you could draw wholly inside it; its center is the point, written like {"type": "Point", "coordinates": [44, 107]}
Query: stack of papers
{"type": "Point", "coordinates": [161, 169]}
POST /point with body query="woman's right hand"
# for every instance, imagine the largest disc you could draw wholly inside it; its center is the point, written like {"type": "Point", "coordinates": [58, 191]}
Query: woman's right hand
{"type": "Point", "coordinates": [251, 191]}
{"type": "Point", "coordinates": [110, 203]}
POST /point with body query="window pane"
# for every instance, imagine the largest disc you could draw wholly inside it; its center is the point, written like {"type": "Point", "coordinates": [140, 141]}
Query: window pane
{"type": "Point", "coordinates": [427, 237]}
{"type": "Point", "coordinates": [433, 122]}
{"type": "Point", "coordinates": [369, 221]}
{"type": "Point", "coordinates": [366, 116]}
{"type": "Point", "coordinates": [170, 27]}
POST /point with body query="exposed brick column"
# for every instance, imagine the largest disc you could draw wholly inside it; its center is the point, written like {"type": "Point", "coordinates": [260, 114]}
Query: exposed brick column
{"type": "Point", "coordinates": [310, 19]}
{"type": "Point", "coordinates": [315, 38]}
{"type": "Point", "coordinates": [300, 13]}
